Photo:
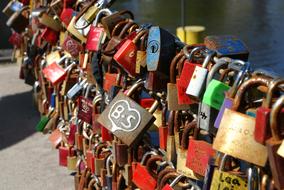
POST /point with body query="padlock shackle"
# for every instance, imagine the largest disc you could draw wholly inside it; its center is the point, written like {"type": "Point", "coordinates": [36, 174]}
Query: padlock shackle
{"type": "Point", "coordinates": [144, 157]}
{"type": "Point", "coordinates": [185, 134]}
{"type": "Point", "coordinates": [194, 49]}
{"type": "Point", "coordinates": [239, 79]}
{"type": "Point", "coordinates": [209, 56]}
{"type": "Point", "coordinates": [125, 29]}
{"type": "Point", "coordinates": [267, 103]}
{"type": "Point", "coordinates": [151, 162]}
{"type": "Point", "coordinates": [115, 31]}
{"type": "Point", "coordinates": [252, 82]}
{"type": "Point", "coordinates": [99, 15]}
{"type": "Point", "coordinates": [139, 35]}
{"type": "Point", "coordinates": [216, 67]}
{"type": "Point", "coordinates": [173, 66]}
{"type": "Point", "coordinates": [274, 116]}
{"type": "Point", "coordinates": [108, 164]}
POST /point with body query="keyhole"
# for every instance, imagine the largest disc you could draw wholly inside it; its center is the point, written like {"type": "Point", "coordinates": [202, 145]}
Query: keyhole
{"type": "Point", "coordinates": [153, 49]}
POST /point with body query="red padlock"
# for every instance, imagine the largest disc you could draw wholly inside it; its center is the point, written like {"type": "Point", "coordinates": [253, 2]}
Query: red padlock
{"type": "Point", "coordinates": [66, 15]}
{"type": "Point", "coordinates": [72, 46]}
{"type": "Point", "coordinates": [64, 152]}
{"type": "Point", "coordinates": [106, 134]}
{"type": "Point", "coordinates": [146, 102]}
{"type": "Point", "coordinates": [54, 72]}
{"type": "Point", "coordinates": [50, 36]}
{"type": "Point", "coordinates": [15, 39]}
{"type": "Point", "coordinates": [72, 132]}
{"type": "Point", "coordinates": [141, 176]}
{"type": "Point", "coordinates": [163, 130]}
{"type": "Point", "coordinates": [126, 54]}
{"type": "Point", "coordinates": [97, 34]}
{"type": "Point", "coordinates": [262, 127]}
{"type": "Point", "coordinates": [186, 74]}
{"type": "Point", "coordinates": [85, 110]}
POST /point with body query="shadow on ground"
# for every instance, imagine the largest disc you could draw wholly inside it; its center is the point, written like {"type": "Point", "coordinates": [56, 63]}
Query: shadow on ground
{"type": "Point", "coordinates": [18, 118]}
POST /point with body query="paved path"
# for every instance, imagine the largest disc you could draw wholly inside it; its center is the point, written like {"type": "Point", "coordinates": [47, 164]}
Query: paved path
{"type": "Point", "coordinates": [27, 161]}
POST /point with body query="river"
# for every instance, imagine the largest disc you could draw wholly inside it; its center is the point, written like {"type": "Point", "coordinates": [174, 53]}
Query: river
{"type": "Point", "coordinates": [259, 23]}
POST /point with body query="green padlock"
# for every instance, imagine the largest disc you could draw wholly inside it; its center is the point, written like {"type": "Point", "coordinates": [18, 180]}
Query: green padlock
{"type": "Point", "coordinates": [215, 94]}
{"type": "Point", "coordinates": [42, 123]}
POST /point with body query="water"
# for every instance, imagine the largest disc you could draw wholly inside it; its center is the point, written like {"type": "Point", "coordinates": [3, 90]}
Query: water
{"type": "Point", "coordinates": [259, 23]}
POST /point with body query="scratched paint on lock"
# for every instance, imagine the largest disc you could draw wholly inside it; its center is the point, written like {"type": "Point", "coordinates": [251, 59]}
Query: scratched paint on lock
{"type": "Point", "coordinates": [123, 117]}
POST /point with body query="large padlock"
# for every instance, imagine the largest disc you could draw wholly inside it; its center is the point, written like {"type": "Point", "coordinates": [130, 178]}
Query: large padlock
{"type": "Point", "coordinates": [97, 35]}
{"type": "Point", "coordinates": [229, 97]}
{"type": "Point", "coordinates": [123, 115]}
{"type": "Point", "coordinates": [160, 51]}
{"type": "Point", "coordinates": [262, 132]}
{"type": "Point", "coordinates": [198, 80]}
{"type": "Point", "coordinates": [172, 93]}
{"type": "Point", "coordinates": [127, 54]}
{"type": "Point", "coordinates": [72, 46]}
{"type": "Point", "coordinates": [237, 129]}
{"type": "Point", "coordinates": [227, 46]}
{"type": "Point", "coordinates": [18, 21]}
{"type": "Point", "coordinates": [276, 162]}
{"type": "Point", "coordinates": [141, 176]}
{"type": "Point", "coordinates": [206, 114]}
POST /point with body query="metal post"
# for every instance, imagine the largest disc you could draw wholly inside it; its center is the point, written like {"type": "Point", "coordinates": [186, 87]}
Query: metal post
{"type": "Point", "coordinates": [182, 13]}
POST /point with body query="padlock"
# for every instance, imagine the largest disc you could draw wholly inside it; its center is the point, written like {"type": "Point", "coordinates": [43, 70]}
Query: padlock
{"type": "Point", "coordinates": [227, 46]}
{"type": "Point", "coordinates": [71, 159]}
{"type": "Point", "coordinates": [79, 136]}
{"type": "Point", "coordinates": [54, 72]}
{"type": "Point", "coordinates": [56, 6]}
{"type": "Point", "coordinates": [78, 174]}
{"type": "Point", "coordinates": [228, 101]}
{"type": "Point", "coordinates": [43, 121]}
{"type": "Point", "coordinates": [160, 51]}
{"type": "Point", "coordinates": [163, 129]}
{"type": "Point", "coordinates": [227, 180]}
{"type": "Point", "coordinates": [12, 7]}
{"type": "Point", "coordinates": [18, 21]}
{"type": "Point", "coordinates": [66, 16]}
{"type": "Point", "coordinates": [141, 177]}
{"type": "Point", "coordinates": [55, 138]}
{"type": "Point", "coordinates": [109, 22]}
{"type": "Point", "coordinates": [197, 82]}
{"type": "Point", "coordinates": [85, 107]}
{"type": "Point", "coordinates": [90, 156]}
{"type": "Point", "coordinates": [50, 36]}
{"type": "Point", "coordinates": [72, 46]}
{"type": "Point", "coordinates": [109, 172]}
{"type": "Point", "coordinates": [94, 183]}
{"type": "Point", "coordinates": [75, 90]}
{"type": "Point", "coordinates": [141, 55]}
{"type": "Point", "coordinates": [49, 21]}
{"type": "Point", "coordinates": [186, 73]}
{"type": "Point", "coordinates": [97, 35]}
{"type": "Point", "coordinates": [71, 136]}
{"type": "Point", "coordinates": [123, 108]}
{"type": "Point", "coordinates": [171, 146]}
{"type": "Point", "coordinates": [262, 132]}
{"type": "Point", "coordinates": [207, 114]}
{"type": "Point", "coordinates": [84, 179]}
{"type": "Point", "coordinates": [182, 151]}
{"type": "Point", "coordinates": [126, 54]}
{"type": "Point", "coordinates": [198, 155]}
{"type": "Point", "coordinates": [93, 10]}
{"type": "Point", "coordinates": [64, 152]}
{"type": "Point", "coordinates": [189, 184]}
{"type": "Point", "coordinates": [236, 134]}
{"type": "Point", "coordinates": [74, 32]}
{"type": "Point", "coordinates": [100, 159]}
{"type": "Point", "coordinates": [120, 153]}
{"type": "Point", "coordinates": [172, 93]}
{"type": "Point", "coordinates": [276, 162]}
{"type": "Point", "coordinates": [16, 39]}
